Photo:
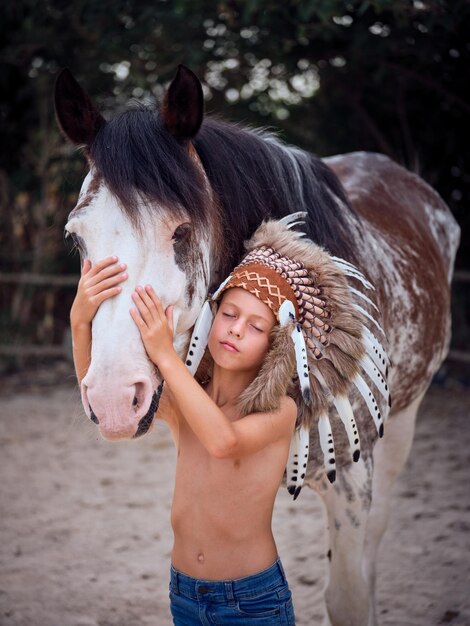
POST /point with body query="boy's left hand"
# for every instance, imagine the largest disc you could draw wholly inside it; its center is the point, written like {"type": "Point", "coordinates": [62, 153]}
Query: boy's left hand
{"type": "Point", "coordinates": [154, 323]}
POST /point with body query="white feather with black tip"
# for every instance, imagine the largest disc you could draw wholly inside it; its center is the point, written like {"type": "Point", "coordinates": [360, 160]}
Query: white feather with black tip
{"type": "Point", "coordinates": [371, 403]}
{"type": "Point", "coordinates": [199, 338]}
{"type": "Point", "coordinates": [345, 412]}
{"type": "Point", "coordinates": [292, 468]}
{"type": "Point", "coordinates": [304, 448]}
{"type": "Point", "coordinates": [375, 350]}
{"type": "Point", "coordinates": [301, 362]}
{"type": "Point", "coordinates": [326, 443]}
{"type": "Point", "coordinates": [298, 459]}
{"type": "Point", "coordinates": [287, 313]}
{"type": "Point", "coordinates": [375, 375]}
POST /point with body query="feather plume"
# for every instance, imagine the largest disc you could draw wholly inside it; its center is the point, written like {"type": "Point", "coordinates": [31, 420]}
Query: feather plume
{"type": "Point", "coordinates": [298, 459]}
{"type": "Point", "coordinates": [357, 275]}
{"type": "Point", "coordinates": [363, 296]}
{"type": "Point", "coordinates": [288, 220]}
{"type": "Point", "coordinates": [345, 412]}
{"type": "Point", "coordinates": [327, 446]}
{"type": "Point", "coordinates": [376, 351]}
{"type": "Point", "coordinates": [371, 403]}
{"type": "Point", "coordinates": [199, 337]}
{"type": "Point", "coordinates": [292, 468]}
{"type": "Point", "coordinates": [376, 377]}
{"type": "Point", "coordinates": [359, 308]}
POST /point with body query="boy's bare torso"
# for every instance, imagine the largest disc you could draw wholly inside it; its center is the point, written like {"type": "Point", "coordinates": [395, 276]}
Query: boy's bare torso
{"type": "Point", "coordinates": [222, 508]}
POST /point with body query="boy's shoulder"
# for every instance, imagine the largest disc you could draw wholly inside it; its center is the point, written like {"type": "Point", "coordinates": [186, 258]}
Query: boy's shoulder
{"type": "Point", "coordinates": [288, 404]}
{"type": "Point", "coordinates": [287, 410]}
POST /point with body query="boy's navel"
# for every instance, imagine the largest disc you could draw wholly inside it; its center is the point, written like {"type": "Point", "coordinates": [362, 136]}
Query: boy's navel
{"type": "Point", "coordinates": [236, 463]}
{"type": "Point", "coordinates": [200, 557]}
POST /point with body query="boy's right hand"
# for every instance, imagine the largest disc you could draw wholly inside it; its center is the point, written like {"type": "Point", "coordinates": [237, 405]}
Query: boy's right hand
{"type": "Point", "coordinates": [97, 283]}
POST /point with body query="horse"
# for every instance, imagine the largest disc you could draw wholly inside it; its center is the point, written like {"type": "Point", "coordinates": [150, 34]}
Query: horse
{"type": "Point", "coordinates": [174, 194]}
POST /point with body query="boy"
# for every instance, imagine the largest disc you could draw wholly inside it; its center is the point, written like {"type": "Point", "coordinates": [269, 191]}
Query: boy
{"type": "Point", "coordinates": [287, 301]}
{"type": "Point", "coordinates": [225, 568]}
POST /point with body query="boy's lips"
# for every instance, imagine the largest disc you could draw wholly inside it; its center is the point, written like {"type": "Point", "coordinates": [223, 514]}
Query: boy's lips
{"type": "Point", "coordinates": [229, 346]}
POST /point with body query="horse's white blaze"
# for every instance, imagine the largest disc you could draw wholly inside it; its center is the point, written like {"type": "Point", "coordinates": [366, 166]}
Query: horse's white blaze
{"type": "Point", "coordinates": [121, 379]}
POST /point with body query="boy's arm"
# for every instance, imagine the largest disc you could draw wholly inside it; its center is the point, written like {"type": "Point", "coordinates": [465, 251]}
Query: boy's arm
{"type": "Point", "coordinates": [81, 348]}
{"type": "Point", "coordinates": [220, 436]}
{"type": "Point", "coordinates": [97, 283]}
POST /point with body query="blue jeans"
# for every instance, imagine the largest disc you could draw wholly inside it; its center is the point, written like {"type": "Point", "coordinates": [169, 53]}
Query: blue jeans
{"type": "Point", "coordinates": [263, 599]}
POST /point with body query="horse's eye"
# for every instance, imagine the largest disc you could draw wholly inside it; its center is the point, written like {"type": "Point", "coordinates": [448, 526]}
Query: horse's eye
{"type": "Point", "coordinates": [69, 235]}
{"type": "Point", "coordinates": [77, 241]}
{"type": "Point", "coordinates": [182, 233]}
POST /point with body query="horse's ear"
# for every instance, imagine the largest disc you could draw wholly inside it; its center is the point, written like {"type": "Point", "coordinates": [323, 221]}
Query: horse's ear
{"type": "Point", "coordinates": [76, 114]}
{"type": "Point", "coordinates": [183, 105]}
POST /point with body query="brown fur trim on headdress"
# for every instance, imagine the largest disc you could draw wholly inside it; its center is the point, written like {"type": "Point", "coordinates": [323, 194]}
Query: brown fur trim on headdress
{"type": "Point", "coordinates": [268, 388]}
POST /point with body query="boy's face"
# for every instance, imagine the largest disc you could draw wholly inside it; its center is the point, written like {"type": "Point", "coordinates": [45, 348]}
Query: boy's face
{"type": "Point", "coordinates": [240, 335]}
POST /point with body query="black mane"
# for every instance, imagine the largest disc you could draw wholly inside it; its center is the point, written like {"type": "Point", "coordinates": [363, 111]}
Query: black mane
{"type": "Point", "coordinates": [253, 174]}
{"type": "Point", "coordinates": [256, 176]}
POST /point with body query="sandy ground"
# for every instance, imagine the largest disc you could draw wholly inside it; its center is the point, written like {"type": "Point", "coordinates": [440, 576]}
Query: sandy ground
{"type": "Point", "coordinates": [85, 535]}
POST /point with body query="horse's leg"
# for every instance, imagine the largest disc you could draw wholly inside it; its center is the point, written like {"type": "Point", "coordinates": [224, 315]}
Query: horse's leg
{"type": "Point", "coordinates": [347, 505]}
{"type": "Point", "coordinates": [390, 455]}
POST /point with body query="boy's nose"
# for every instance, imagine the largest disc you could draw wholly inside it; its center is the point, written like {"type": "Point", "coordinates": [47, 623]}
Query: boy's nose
{"type": "Point", "coordinates": [235, 330]}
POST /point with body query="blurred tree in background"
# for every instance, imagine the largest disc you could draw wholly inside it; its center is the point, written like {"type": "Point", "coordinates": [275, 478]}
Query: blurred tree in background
{"type": "Point", "coordinates": [329, 76]}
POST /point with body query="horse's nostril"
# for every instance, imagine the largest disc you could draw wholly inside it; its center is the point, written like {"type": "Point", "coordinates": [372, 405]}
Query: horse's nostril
{"type": "Point", "coordinates": [93, 416]}
{"type": "Point", "coordinates": [140, 396]}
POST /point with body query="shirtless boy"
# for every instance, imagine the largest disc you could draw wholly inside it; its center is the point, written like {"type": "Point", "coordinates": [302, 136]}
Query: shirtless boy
{"type": "Point", "coordinates": [225, 567]}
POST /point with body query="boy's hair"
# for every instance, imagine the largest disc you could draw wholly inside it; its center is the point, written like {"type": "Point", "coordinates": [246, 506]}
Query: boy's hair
{"type": "Point", "coordinates": [323, 338]}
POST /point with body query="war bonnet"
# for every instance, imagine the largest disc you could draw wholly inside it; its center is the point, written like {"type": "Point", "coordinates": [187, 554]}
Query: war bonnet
{"type": "Point", "coordinates": [320, 347]}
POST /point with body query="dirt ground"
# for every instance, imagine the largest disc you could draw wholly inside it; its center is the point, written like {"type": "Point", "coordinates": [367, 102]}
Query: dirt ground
{"type": "Point", "coordinates": [85, 535]}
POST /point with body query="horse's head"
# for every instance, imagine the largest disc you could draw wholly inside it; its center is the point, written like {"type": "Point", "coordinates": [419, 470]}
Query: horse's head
{"type": "Point", "coordinates": [146, 200]}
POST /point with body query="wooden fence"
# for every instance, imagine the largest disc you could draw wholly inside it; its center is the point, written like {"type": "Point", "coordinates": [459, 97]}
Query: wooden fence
{"type": "Point", "coordinates": [63, 350]}
{"type": "Point", "coordinates": [19, 350]}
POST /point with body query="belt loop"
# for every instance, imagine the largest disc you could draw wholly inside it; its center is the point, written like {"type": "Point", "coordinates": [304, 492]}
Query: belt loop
{"type": "Point", "coordinates": [174, 576]}
{"type": "Point", "coordinates": [229, 592]}
{"type": "Point", "coordinates": [281, 570]}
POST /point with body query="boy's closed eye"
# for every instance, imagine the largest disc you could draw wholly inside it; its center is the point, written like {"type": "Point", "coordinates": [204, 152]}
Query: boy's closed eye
{"type": "Point", "coordinates": [261, 330]}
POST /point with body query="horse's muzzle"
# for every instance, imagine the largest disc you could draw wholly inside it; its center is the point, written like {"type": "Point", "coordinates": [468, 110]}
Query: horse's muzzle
{"type": "Point", "coordinates": [145, 421]}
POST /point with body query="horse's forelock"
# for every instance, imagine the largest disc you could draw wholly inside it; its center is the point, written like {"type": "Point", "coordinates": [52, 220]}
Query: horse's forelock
{"type": "Point", "coordinates": [144, 166]}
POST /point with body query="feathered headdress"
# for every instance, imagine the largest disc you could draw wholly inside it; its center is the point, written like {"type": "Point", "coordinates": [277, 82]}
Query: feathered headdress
{"type": "Point", "coordinates": [321, 347]}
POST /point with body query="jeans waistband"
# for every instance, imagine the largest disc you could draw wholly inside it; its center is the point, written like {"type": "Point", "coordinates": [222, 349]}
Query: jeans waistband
{"type": "Point", "coordinates": [227, 590]}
